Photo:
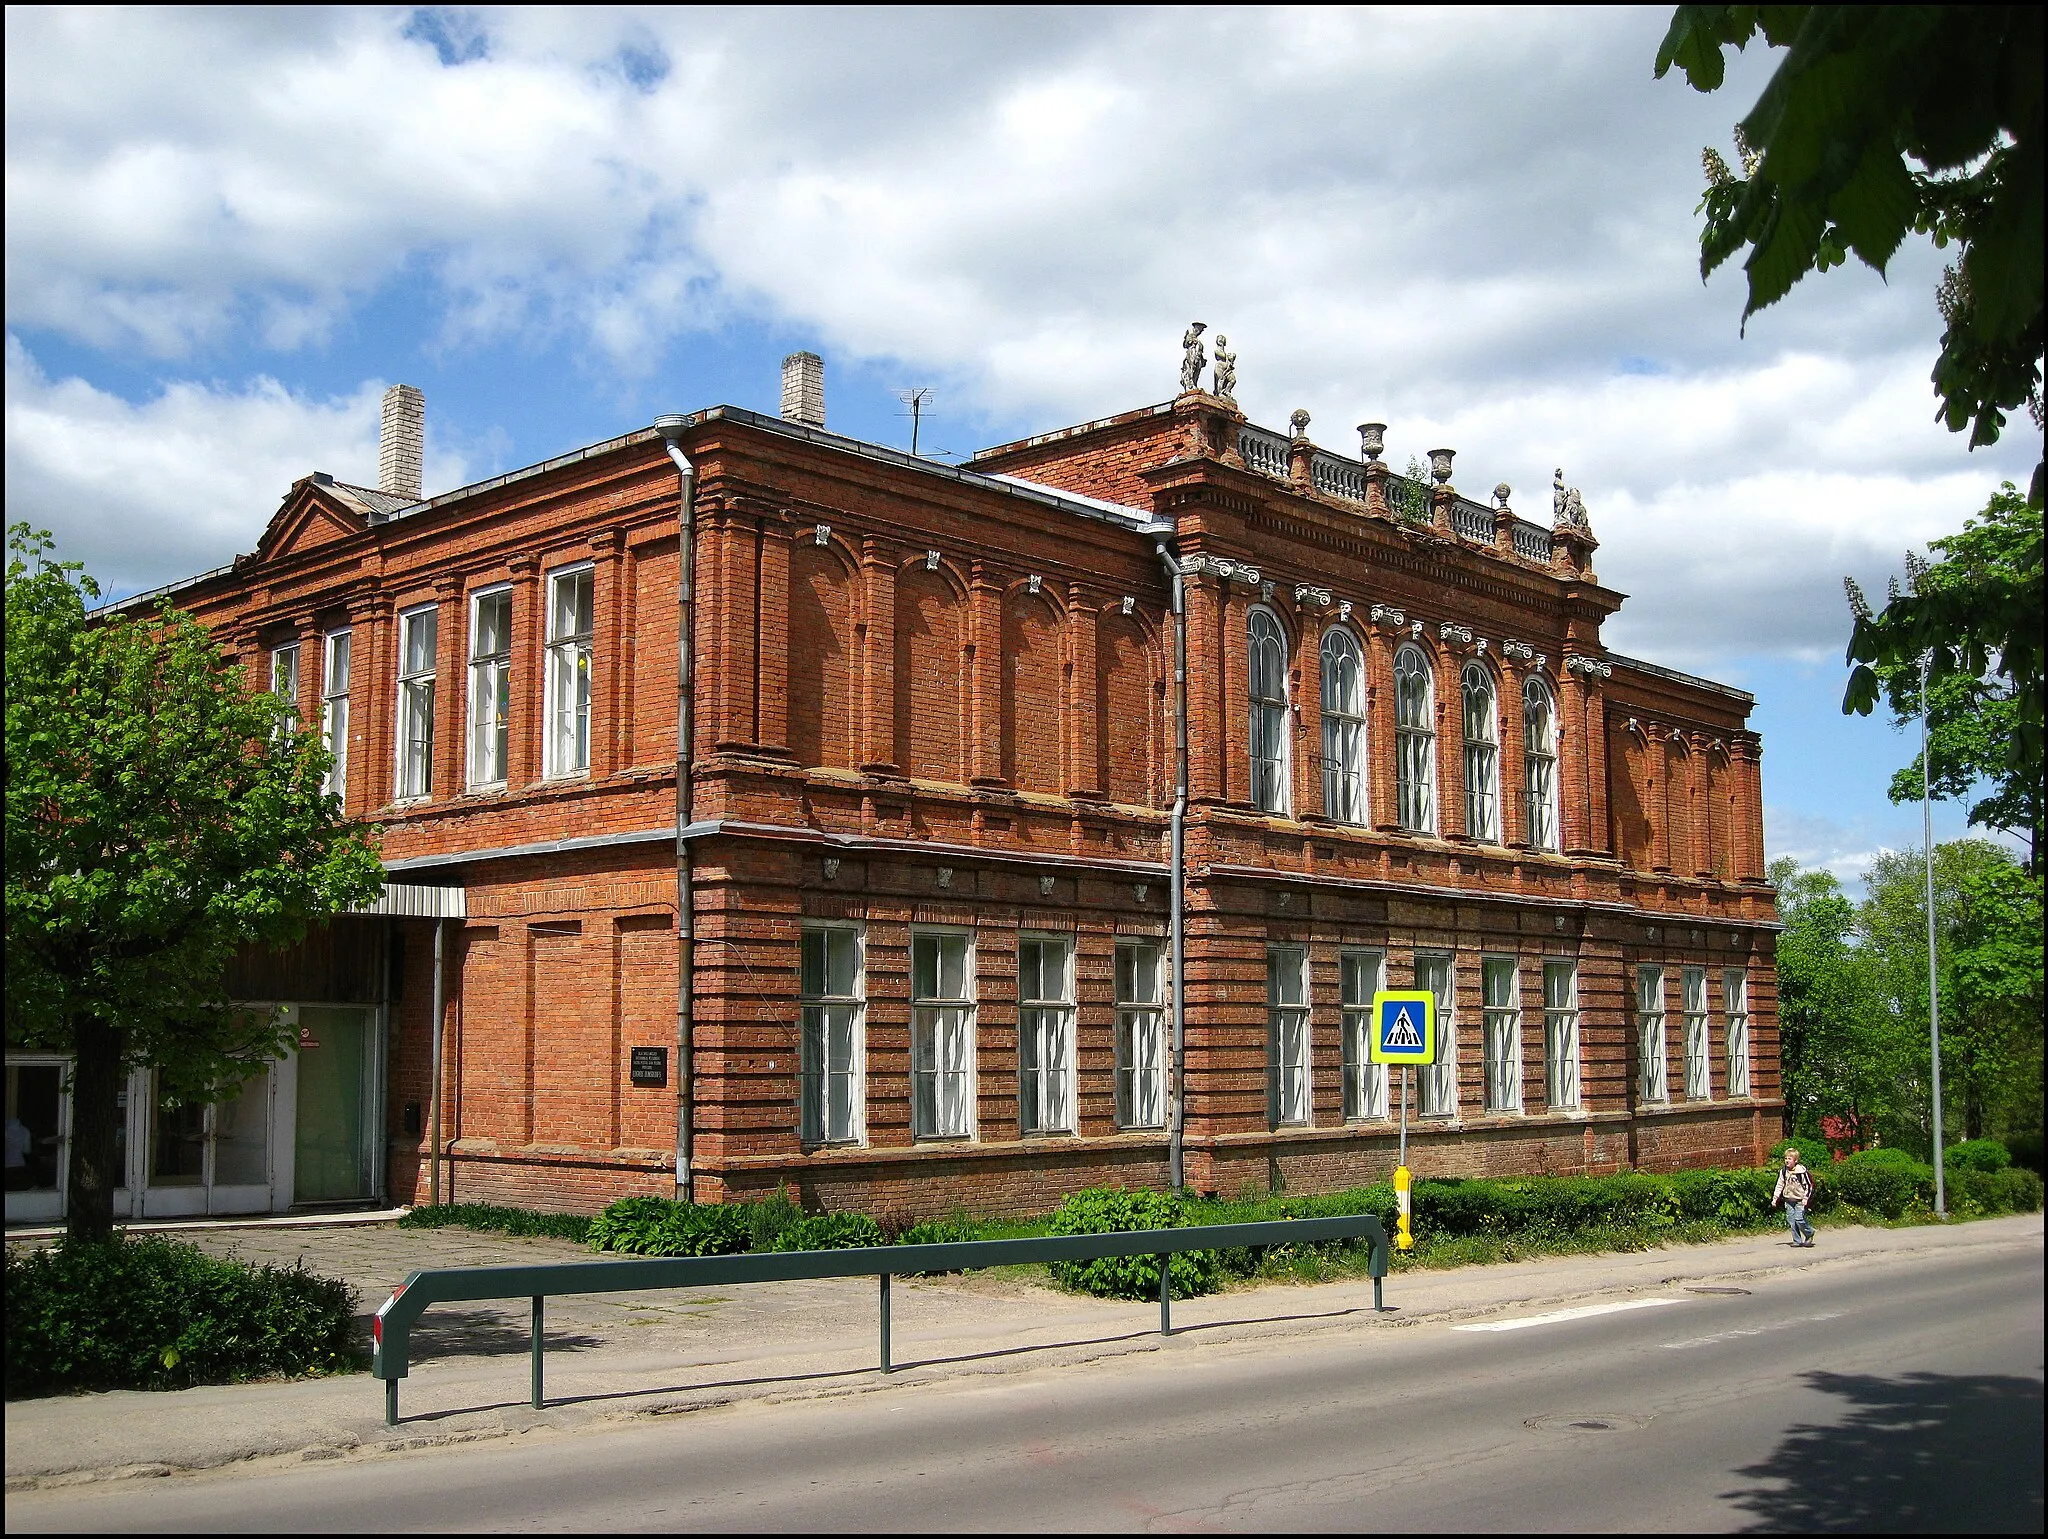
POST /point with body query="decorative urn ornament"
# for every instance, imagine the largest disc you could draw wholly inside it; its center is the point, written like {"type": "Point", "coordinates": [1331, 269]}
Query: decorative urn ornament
{"type": "Point", "coordinates": [1372, 440]}
{"type": "Point", "coordinates": [1440, 464]}
{"type": "Point", "coordinates": [1299, 422]}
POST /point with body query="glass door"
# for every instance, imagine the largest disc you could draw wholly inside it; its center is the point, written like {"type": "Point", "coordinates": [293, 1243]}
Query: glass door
{"type": "Point", "coordinates": [38, 1134]}
{"type": "Point", "coordinates": [210, 1159]}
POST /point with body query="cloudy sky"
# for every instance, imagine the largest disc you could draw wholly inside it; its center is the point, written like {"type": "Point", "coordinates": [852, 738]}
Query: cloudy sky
{"type": "Point", "coordinates": [228, 230]}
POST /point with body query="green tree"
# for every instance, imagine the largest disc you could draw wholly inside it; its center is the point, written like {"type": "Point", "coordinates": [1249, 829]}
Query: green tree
{"type": "Point", "coordinates": [1880, 121]}
{"type": "Point", "coordinates": [160, 815]}
{"type": "Point", "coordinates": [1840, 1054]}
{"type": "Point", "coordinates": [1971, 720]}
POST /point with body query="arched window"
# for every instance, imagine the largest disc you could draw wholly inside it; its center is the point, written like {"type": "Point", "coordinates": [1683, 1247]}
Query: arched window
{"type": "Point", "coordinates": [1266, 646]}
{"type": "Point", "coordinates": [1415, 739]}
{"type": "Point", "coordinates": [1482, 756]}
{"type": "Point", "coordinates": [1343, 727]}
{"type": "Point", "coordinates": [1539, 761]}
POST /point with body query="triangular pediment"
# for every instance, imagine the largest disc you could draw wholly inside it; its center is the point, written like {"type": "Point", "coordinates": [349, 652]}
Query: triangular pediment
{"type": "Point", "coordinates": [311, 515]}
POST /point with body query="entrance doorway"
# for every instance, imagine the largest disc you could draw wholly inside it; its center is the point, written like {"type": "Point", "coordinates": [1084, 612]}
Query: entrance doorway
{"type": "Point", "coordinates": [37, 1139]}
{"type": "Point", "coordinates": [334, 1160]}
{"type": "Point", "coordinates": [212, 1159]}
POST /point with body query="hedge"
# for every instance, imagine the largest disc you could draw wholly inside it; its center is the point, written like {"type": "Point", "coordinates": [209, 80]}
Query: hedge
{"type": "Point", "coordinates": [156, 1313]}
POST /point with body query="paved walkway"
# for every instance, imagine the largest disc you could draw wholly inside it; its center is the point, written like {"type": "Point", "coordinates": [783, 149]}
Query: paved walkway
{"type": "Point", "coordinates": [612, 1355]}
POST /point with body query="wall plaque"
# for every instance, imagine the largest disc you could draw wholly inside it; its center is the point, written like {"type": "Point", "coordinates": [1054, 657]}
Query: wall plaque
{"type": "Point", "coordinates": [650, 1066]}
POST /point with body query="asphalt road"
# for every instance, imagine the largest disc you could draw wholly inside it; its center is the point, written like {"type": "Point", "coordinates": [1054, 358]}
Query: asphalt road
{"type": "Point", "coordinates": [1896, 1395]}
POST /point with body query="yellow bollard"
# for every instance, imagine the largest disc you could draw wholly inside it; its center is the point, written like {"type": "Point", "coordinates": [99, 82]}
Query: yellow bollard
{"type": "Point", "coordinates": [1403, 1240]}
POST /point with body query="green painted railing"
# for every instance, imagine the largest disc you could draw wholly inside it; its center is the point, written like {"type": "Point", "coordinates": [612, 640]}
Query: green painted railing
{"type": "Point", "coordinates": [392, 1328]}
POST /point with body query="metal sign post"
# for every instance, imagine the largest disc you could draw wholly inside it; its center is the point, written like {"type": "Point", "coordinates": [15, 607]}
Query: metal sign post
{"type": "Point", "coordinates": [1404, 1033]}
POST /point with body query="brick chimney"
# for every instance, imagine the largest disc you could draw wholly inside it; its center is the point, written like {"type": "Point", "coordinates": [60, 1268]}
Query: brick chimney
{"type": "Point", "coordinates": [803, 389]}
{"type": "Point", "coordinates": [402, 441]}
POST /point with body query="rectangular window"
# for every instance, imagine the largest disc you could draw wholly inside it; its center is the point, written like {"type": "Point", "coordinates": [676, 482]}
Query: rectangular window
{"type": "Point", "coordinates": [1045, 1034]}
{"type": "Point", "coordinates": [490, 686]}
{"type": "Point", "coordinates": [1365, 1082]}
{"type": "Point", "coordinates": [334, 711]}
{"type": "Point", "coordinates": [830, 987]}
{"type": "Point", "coordinates": [571, 626]}
{"type": "Point", "coordinates": [1735, 1002]}
{"type": "Point", "coordinates": [1699, 1074]}
{"type": "Point", "coordinates": [1140, 1035]}
{"type": "Point", "coordinates": [1287, 1014]}
{"type": "Point", "coordinates": [1500, 984]}
{"type": "Point", "coordinates": [418, 654]}
{"type": "Point", "coordinates": [1561, 1034]}
{"type": "Point", "coordinates": [941, 1035]}
{"type": "Point", "coordinates": [284, 674]}
{"type": "Point", "coordinates": [1651, 1087]}
{"type": "Point", "coordinates": [1439, 1094]}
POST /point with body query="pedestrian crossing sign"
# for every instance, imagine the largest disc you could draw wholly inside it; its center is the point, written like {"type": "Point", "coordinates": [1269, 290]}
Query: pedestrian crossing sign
{"type": "Point", "coordinates": [1403, 1026]}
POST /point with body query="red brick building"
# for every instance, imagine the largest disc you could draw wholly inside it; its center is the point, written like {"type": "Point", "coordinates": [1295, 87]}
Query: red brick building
{"type": "Point", "coordinates": [903, 938]}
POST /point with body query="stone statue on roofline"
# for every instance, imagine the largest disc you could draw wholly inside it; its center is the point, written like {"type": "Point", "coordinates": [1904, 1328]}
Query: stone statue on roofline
{"type": "Point", "coordinates": [1226, 369]}
{"type": "Point", "coordinates": [1192, 357]}
{"type": "Point", "coordinates": [1568, 508]}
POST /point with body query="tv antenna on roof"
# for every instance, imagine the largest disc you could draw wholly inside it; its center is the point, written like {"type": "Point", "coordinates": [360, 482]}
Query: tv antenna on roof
{"type": "Point", "coordinates": [916, 399]}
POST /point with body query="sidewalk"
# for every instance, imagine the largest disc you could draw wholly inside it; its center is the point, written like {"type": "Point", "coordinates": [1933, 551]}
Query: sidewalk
{"type": "Point", "coordinates": [632, 1354]}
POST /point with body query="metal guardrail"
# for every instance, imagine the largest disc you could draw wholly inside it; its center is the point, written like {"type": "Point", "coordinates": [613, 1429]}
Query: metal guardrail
{"type": "Point", "coordinates": [392, 1328]}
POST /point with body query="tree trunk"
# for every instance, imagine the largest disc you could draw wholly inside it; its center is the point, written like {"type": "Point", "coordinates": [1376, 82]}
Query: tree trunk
{"type": "Point", "coordinates": [96, 1077]}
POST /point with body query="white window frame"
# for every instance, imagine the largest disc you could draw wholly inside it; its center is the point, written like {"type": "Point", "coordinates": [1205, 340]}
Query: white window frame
{"type": "Point", "coordinates": [1735, 1007]}
{"type": "Point", "coordinates": [337, 656]}
{"type": "Point", "coordinates": [1140, 968]}
{"type": "Point", "coordinates": [284, 675]}
{"type": "Point", "coordinates": [490, 685]}
{"type": "Point", "coordinates": [1502, 1009]}
{"type": "Point", "coordinates": [1653, 1086]}
{"type": "Point", "coordinates": [1482, 753]}
{"type": "Point", "coordinates": [1291, 1090]}
{"type": "Point", "coordinates": [939, 1022]}
{"type": "Point", "coordinates": [1539, 763]}
{"type": "Point", "coordinates": [416, 707]}
{"type": "Point", "coordinates": [1699, 1067]}
{"type": "Point", "coordinates": [1269, 728]}
{"type": "Point", "coordinates": [1363, 972]}
{"type": "Point", "coordinates": [1344, 739]}
{"type": "Point", "coordinates": [571, 660]}
{"type": "Point", "coordinates": [1415, 739]}
{"type": "Point", "coordinates": [1045, 1037]}
{"type": "Point", "coordinates": [1561, 1034]}
{"type": "Point", "coordinates": [1438, 1094]}
{"type": "Point", "coordinates": [820, 1062]}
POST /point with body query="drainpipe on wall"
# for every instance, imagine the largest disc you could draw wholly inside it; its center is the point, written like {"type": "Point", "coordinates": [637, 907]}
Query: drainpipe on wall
{"type": "Point", "coordinates": [686, 927]}
{"type": "Point", "coordinates": [1177, 1113]}
{"type": "Point", "coordinates": [434, 1091]}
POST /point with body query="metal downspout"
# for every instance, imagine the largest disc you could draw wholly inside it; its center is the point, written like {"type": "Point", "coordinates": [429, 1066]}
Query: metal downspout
{"type": "Point", "coordinates": [1177, 1114]}
{"type": "Point", "coordinates": [686, 926]}
{"type": "Point", "coordinates": [434, 1089]}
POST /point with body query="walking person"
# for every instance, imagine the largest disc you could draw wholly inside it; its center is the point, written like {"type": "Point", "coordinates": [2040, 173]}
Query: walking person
{"type": "Point", "coordinates": [1795, 1191]}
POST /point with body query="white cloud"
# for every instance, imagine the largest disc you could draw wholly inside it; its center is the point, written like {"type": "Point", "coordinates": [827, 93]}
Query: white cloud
{"type": "Point", "coordinates": [176, 485]}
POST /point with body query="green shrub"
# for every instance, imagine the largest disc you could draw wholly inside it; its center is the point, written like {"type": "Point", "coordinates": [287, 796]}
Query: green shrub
{"type": "Point", "coordinates": [2021, 1189]}
{"type": "Point", "coordinates": [489, 1216]}
{"type": "Point", "coordinates": [769, 1216]}
{"type": "Point", "coordinates": [830, 1231]}
{"type": "Point", "coordinates": [2025, 1149]}
{"type": "Point", "coordinates": [1886, 1155]}
{"type": "Point", "coordinates": [1977, 1154]}
{"type": "Point", "coordinates": [657, 1226]}
{"type": "Point", "coordinates": [154, 1313]}
{"type": "Point", "coordinates": [1113, 1210]}
{"type": "Point", "coordinates": [1883, 1181]}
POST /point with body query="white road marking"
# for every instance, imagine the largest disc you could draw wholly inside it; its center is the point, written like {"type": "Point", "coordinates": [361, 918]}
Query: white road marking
{"type": "Point", "coordinates": [1584, 1311]}
{"type": "Point", "coordinates": [1754, 1330]}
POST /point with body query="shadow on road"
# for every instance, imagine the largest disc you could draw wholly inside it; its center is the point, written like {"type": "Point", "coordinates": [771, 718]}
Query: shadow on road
{"type": "Point", "coordinates": [1924, 1452]}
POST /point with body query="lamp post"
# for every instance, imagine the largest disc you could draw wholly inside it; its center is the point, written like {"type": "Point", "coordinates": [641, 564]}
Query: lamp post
{"type": "Point", "coordinates": [1933, 980]}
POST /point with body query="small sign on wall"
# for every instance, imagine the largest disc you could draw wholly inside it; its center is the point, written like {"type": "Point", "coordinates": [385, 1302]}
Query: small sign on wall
{"type": "Point", "coordinates": [650, 1066]}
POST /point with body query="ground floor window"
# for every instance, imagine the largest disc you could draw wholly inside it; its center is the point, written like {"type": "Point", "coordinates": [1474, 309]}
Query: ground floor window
{"type": "Point", "coordinates": [829, 986]}
{"type": "Point", "coordinates": [1699, 1074]}
{"type": "Point", "coordinates": [1365, 1082]}
{"type": "Point", "coordinates": [1735, 1002]}
{"type": "Point", "coordinates": [1045, 1034]}
{"type": "Point", "coordinates": [1561, 1034]}
{"type": "Point", "coordinates": [941, 1034]}
{"type": "Point", "coordinates": [1440, 1079]}
{"type": "Point", "coordinates": [1651, 1086]}
{"type": "Point", "coordinates": [1140, 1035]}
{"type": "Point", "coordinates": [1500, 984]}
{"type": "Point", "coordinates": [1287, 1027]}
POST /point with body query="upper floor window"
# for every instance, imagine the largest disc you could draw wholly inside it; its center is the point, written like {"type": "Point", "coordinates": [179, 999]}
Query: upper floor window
{"type": "Point", "coordinates": [1343, 727]}
{"type": "Point", "coordinates": [1045, 1034]}
{"type": "Point", "coordinates": [571, 627]}
{"type": "Point", "coordinates": [334, 711]}
{"type": "Point", "coordinates": [1266, 648]}
{"type": "Point", "coordinates": [418, 655]}
{"type": "Point", "coordinates": [284, 673]}
{"type": "Point", "coordinates": [1482, 756]}
{"type": "Point", "coordinates": [1539, 762]}
{"type": "Point", "coordinates": [490, 686]}
{"type": "Point", "coordinates": [1415, 740]}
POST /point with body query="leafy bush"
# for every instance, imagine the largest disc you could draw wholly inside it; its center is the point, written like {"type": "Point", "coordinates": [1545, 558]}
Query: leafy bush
{"type": "Point", "coordinates": [768, 1217]}
{"type": "Point", "coordinates": [657, 1226]}
{"type": "Point", "coordinates": [1977, 1154]}
{"type": "Point", "coordinates": [1113, 1210]}
{"type": "Point", "coordinates": [1887, 1155]}
{"type": "Point", "coordinates": [2019, 1189]}
{"type": "Point", "coordinates": [489, 1216]}
{"type": "Point", "coordinates": [154, 1313]}
{"type": "Point", "coordinates": [2025, 1149]}
{"type": "Point", "coordinates": [1884, 1181]}
{"type": "Point", "coordinates": [830, 1231]}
